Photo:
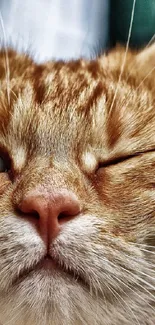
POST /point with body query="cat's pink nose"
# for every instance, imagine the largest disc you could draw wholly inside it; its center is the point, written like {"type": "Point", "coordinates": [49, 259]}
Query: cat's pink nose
{"type": "Point", "coordinates": [50, 211]}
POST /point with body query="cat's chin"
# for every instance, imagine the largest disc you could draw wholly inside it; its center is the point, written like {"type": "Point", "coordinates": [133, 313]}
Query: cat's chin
{"type": "Point", "coordinates": [48, 300]}
{"type": "Point", "coordinates": [50, 270]}
{"type": "Point", "coordinates": [46, 295]}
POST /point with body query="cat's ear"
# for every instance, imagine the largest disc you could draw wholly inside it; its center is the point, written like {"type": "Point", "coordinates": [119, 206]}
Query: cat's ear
{"type": "Point", "coordinates": [146, 59]}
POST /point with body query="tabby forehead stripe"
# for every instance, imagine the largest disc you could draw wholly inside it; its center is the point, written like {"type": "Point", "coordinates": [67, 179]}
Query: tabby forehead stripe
{"type": "Point", "coordinates": [39, 84]}
{"type": "Point", "coordinates": [95, 95]}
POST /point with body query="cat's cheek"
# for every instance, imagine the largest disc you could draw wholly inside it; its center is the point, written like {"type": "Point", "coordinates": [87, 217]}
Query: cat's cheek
{"type": "Point", "coordinates": [4, 182]}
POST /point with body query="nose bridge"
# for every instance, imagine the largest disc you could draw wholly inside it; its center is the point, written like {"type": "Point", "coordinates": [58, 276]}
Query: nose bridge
{"type": "Point", "coordinates": [48, 179]}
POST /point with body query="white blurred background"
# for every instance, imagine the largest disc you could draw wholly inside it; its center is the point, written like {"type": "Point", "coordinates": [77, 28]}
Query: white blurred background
{"type": "Point", "coordinates": [60, 29]}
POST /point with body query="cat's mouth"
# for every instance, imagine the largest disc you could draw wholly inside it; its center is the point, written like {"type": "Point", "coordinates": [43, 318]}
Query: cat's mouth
{"type": "Point", "coordinates": [49, 266]}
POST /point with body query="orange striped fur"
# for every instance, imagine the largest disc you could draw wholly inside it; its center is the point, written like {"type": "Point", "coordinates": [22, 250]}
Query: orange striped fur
{"type": "Point", "coordinates": [73, 126]}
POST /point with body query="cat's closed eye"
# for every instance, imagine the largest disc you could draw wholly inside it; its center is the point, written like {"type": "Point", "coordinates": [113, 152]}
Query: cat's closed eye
{"type": "Point", "coordinates": [115, 161]}
{"type": "Point", "coordinates": [123, 159]}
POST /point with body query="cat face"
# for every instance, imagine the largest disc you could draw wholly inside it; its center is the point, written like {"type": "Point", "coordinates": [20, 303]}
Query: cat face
{"type": "Point", "coordinates": [77, 191]}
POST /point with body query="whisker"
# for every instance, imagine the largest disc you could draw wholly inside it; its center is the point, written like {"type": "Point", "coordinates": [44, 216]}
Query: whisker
{"type": "Point", "coordinates": [135, 63]}
{"type": "Point", "coordinates": [142, 244]}
{"type": "Point", "coordinates": [141, 261]}
{"type": "Point", "coordinates": [141, 279]}
{"type": "Point", "coordinates": [147, 291]}
{"type": "Point", "coordinates": [125, 55]}
{"type": "Point", "coordinates": [150, 42]}
{"type": "Point", "coordinates": [147, 251]}
{"type": "Point", "coordinates": [146, 77]}
{"type": "Point", "coordinates": [114, 292]}
{"type": "Point", "coordinates": [138, 284]}
{"type": "Point", "coordinates": [146, 275]}
{"type": "Point", "coordinates": [14, 93]}
{"type": "Point", "coordinates": [7, 68]}
{"type": "Point", "coordinates": [141, 298]}
{"type": "Point", "coordinates": [135, 279]}
{"type": "Point", "coordinates": [148, 74]}
{"type": "Point", "coordinates": [152, 296]}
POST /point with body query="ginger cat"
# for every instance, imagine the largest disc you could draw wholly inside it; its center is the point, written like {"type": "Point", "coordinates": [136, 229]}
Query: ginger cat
{"type": "Point", "coordinates": [77, 190]}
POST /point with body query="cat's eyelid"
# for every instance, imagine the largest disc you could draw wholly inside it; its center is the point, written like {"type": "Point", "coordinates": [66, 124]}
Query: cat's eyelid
{"type": "Point", "coordinates": [116, 161]}
{"type": "Point", "coordinates": [120, 159]}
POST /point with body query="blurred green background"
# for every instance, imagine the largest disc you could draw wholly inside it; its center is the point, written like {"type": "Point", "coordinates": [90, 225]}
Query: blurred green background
{"type": "Point", "coordinates": [143, 27]}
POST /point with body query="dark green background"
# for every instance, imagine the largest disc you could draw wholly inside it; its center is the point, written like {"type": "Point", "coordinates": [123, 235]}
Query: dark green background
{"type": "Point", "coordinates": [143, 25]}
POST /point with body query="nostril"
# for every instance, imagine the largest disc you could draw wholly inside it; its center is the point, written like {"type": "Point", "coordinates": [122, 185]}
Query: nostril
{"type": "Point", "coordinates": [33, 213]}
{"type": "Point", "coordinates": [64, 217]}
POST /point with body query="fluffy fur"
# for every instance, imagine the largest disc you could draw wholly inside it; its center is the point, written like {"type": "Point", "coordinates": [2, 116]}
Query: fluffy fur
{"type": "Point", "coordinates": [88, 127]}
